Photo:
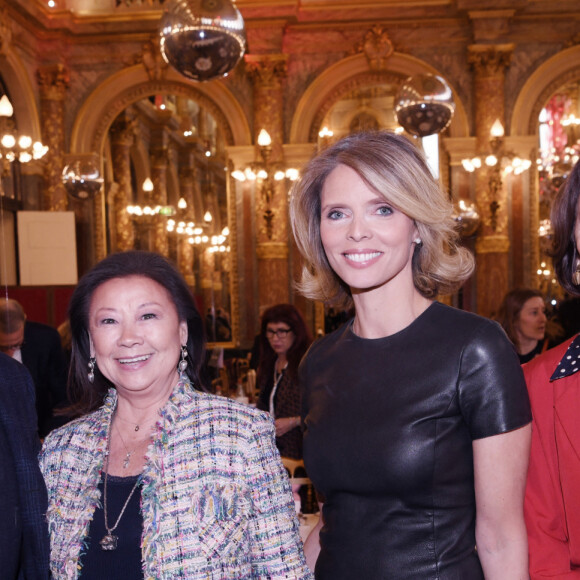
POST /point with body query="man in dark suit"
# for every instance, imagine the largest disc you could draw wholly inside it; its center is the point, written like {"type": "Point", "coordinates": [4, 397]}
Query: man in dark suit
{"type": "Point", "coordinates": [38, 347]}
{"type": "Point", "coordinates": [24, 545]}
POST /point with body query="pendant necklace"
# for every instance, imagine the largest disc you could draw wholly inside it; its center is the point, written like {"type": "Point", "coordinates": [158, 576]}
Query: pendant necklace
{"type": "Point", "coordinates": [109, 541]}
{"type": "Point", "coordinates": [137, 426]}
{"type": "Point", "coordinates": [130, 452]}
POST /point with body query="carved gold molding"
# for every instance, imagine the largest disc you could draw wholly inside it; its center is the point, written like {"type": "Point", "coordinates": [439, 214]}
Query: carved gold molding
{"type": "Point", "coordinates": [53, 81]}
{"type": "Point", "coordinates": [492, 244]}
{"type": "Point", "coordinates": [272, 250]}
{"type": "Point", "coordinates": [490, 60]}
{"type": "Point", "coordinates": [154, 64]}
{"type": "Point", "coordinates": [377, 48]}
{"type": "Point", "coordinates": [266, 70]}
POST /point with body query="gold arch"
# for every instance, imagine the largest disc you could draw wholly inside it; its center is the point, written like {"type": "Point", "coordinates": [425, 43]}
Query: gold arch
{"type": "Point", "coordinates": [22, 96]}
{"type": "Point", "coordinates": [349, 73]}
{"type": "Point", "coordinates": [131, 84]}
{"type": "Point", "coordinates": [542, 83]}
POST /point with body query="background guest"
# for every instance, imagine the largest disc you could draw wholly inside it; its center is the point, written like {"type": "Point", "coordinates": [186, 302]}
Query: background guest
{"type": "Point", "coordinates": [157, 479]}
{"type": "Point", "coordinates": [416, 414]}
{"type": "Point", "coordinates": [23, 529]}
{"type": "Point", "coordinates": [552, 505]}
{"type": "Point", "coordinates": [37, 346]}
{"type": "Point", "coordinates": [284, 339]}
{"type": "Point", "coordinates": [523, 316]}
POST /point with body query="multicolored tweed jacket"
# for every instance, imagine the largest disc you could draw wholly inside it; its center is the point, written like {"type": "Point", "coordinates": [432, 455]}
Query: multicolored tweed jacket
{"type": "Point", "coordinates": [216, 502]}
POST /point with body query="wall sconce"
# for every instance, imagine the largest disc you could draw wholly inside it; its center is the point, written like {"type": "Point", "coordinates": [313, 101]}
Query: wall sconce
{"type": "Point", "coordinates": [499, 162]}
{"type": "Point", "coordinates": [13, 147]}
{"type": "Point", "coordinates": [324, 135]}
{"type": "Point", "coordinates": [266, 174]}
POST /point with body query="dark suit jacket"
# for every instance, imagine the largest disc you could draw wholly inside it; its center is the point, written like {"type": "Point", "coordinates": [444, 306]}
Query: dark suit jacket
{"type": "Point", "coordinates": [20, 445]}
{"type": "Point", "coordinates": [43, 356]}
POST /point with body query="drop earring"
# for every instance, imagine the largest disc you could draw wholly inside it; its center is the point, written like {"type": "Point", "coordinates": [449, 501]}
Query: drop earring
{"type": "Point", "coordinates": [91, 365]}
{"type": "Point", "coordinates": [576, 274]}
{"type": "Point", "coordinates": [183, 363]}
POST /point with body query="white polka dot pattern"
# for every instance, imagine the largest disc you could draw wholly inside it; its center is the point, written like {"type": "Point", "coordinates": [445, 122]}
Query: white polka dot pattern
{"type": "Point", "coordinates": [569, 363]}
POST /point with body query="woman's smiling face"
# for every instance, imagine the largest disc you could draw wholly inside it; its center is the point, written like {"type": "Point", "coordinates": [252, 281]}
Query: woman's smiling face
{"type": "Point", "coordinates": [368, 243]}
{"type": "Point", "coordinates": [136, 334]}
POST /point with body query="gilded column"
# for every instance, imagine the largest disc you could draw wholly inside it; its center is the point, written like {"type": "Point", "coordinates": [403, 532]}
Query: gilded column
{"type": "Point", "coordinates": [492, 246]}
{"type": "Point", "coordinates": [187, 188]}
{"type": "Point", "coordinates": [267, 73]}
{"type": "Point", "coordinates": [207, 268]}
{"type": "Point", "coordinates": [53, 82]}
{"type": "Point", "coordinates": [122, 137]}
{"type": "Point", "coordinates": [159, 161]}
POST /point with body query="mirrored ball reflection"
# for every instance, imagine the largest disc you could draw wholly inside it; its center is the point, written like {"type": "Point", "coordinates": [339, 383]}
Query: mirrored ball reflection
{"type": "Point", "coordinates": [82, 179]}
{"type": "Point", "coordinates": [466, 217]}
{"type": "Point", "coordinates": [202, 39]}
{"type": "Point", "coordinates": [424, 105]}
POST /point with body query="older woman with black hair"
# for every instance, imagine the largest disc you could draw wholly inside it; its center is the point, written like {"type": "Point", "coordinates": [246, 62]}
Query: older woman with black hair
{"type": "Point", "coordinates": [284, 338]}
{"type": "Point", "coordinates": [552, 506]}
{"type": "Point", "coordinates": [416, 414]}
{"type": "Point", "coordinates": [157, 479]}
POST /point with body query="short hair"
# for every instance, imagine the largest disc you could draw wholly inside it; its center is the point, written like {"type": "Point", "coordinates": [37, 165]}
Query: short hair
{"type": "Point", "coordinates": [287, 314]}
{"type": "Point", "coordinates": [12, 316]}
{"type": "Point", "coordinates": [86, 396]}
{"type": "Point", "coordinates": [394, 168]}
{"type": "Point", "coordinates": [509, 311]}
{"type": "Point", "coordinates": [564, 252]}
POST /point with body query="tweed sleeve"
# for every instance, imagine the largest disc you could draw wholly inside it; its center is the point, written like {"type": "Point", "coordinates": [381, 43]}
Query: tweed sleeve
{"type": "Point", "coordinates": [276, 545]}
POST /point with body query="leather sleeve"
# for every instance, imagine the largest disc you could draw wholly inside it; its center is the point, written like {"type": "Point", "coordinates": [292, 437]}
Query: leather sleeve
{"type": "Point", "coordinates": [492, 389]}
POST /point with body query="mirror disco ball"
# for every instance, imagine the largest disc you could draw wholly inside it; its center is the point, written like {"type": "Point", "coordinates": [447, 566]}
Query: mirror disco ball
{"type": "Point", "coordinates": [466, 217]}
{"type": "Point", "coordinates": [424, 105]}
{"type": "Point", "coordinates": [82, 179]}
{"type": "Point", "coordinates": [202, 39]}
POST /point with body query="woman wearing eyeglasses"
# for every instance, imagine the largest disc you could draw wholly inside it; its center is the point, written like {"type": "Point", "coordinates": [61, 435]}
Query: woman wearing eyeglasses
{"type": "Point", "coordinates": [284, 339]}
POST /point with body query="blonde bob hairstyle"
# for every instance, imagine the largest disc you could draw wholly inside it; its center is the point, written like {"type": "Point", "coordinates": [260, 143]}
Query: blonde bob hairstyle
{"type": "Point", "coordinates": [393, 167]}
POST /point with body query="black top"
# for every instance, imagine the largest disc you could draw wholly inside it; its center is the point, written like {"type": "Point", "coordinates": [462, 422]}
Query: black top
{"type": "Point", "coordinates": [287, 403]}
{"type": "Point", "coordinates": [124, 563]}
{"type": "Point", "coordinates": [389, 425]}
{"type": "Point", "coordinates": [538, 349]}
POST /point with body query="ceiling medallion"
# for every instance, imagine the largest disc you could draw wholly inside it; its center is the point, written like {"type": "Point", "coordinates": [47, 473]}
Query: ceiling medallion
{"type": "Point", "coordinates": [202, 39]}
{"type": "Point", "coordinates": [424, 105]}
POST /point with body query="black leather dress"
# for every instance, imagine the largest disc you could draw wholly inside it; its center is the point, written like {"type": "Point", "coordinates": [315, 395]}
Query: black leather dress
{"type": "Point", "coordinates": [388, 442]}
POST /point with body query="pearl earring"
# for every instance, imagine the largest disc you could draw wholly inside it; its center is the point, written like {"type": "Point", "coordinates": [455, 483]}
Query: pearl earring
{"type": "Point", "coordinates": [91, 373]}
{"type": "Point", "coordinates": [418, 241]}
{"type": "Point", "coordinates": [183, 363]}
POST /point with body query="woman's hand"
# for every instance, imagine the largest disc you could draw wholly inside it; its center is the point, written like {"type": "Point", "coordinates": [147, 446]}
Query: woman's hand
{"type": "Point", "coordinates": [286, 424]}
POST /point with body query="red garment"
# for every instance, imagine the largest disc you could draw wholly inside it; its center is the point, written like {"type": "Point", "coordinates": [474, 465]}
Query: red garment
{"type": "Point", "coordinates": [552, 504]}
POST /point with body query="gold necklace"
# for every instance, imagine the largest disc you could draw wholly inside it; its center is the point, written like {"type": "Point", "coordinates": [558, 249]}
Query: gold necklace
{"type": "Point", "coordinates": [137, 426]}
{"type": "Point", "coordinates": [127, 459]}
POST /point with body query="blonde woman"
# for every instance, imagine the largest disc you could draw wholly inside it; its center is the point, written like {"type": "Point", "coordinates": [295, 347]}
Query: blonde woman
{"type": "Point", "coordinates": [416, 414]}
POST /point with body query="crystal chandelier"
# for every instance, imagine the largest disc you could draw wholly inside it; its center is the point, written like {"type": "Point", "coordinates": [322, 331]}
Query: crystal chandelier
{"type": "Point", "coordinates": [12, 146]}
